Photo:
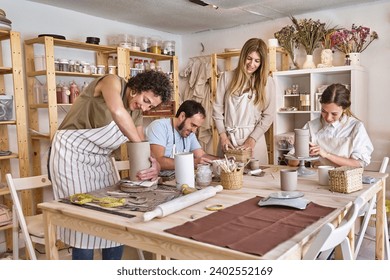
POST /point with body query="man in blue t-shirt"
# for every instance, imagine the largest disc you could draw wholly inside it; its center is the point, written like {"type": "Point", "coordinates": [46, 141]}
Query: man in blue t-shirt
{"type": "Point", "coordinates": [177, 135]}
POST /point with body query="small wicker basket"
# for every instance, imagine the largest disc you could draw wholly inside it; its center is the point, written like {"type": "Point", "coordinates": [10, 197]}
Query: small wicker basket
{"type": "Point", "coordinates": [346, 179]}
{"type": "Point", "coordinates": [239, 155]}
{"type": "Point", "coordinates": [232, 180]}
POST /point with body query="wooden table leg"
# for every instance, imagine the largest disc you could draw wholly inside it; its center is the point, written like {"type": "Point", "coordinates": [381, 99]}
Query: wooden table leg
{"type": "Point", "coordinates": [50, 237]}
{"type": "Point", "coordinates": [380, 222]}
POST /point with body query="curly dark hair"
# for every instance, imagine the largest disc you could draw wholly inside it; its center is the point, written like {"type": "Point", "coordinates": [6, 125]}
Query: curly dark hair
{"type": "Point", "coordinates": [156, 81]}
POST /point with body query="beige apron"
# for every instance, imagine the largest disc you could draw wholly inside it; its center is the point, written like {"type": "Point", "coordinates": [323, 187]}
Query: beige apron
{"type": "Point", "coordinates": [241, 117]}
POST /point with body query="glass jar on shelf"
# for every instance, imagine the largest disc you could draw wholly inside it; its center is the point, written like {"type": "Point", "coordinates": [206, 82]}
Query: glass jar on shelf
{"type": "Point", "coordinates": [101, 69]}
{"type": "Point", "coordinates": [169, 48]}
{"type": "Point", "coordinates": [135, 44]}
{"type": "Point", "coordinates": [145, 44]}
{"type": "Point", "coordinates": [64, 65]}
{"type": "Point", "coordinates": [155, 46]}
{"type": "Point", "coordinates": [146, 65]}
{"type": "Point", "coordinates": [152, 64]}
{"type": "Point", "coordinates": [74, 92]}
{"type": "Point", "coordinates": [59, 92]}
{"type": "Point", "coordinates": [65, 93]}
{"type": "Point", "coordinates": [304, 101]}
{"type": "Point", "coordinates": [71, 66]}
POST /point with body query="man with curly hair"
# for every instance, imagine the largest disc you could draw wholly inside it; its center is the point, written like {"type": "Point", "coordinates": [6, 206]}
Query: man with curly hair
{"type": "Point", "coordinates": [107, 114]}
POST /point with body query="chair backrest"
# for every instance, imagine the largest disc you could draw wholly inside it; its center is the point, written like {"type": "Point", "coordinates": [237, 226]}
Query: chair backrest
{"type": "Point", "coordinates": [15, 186]}
{"type": "Point", "coordinates": [384, 164]}
{"type": "Point", "coordinates": [329, 236]}
{"type": "Point", "coordinates": [120, 165]}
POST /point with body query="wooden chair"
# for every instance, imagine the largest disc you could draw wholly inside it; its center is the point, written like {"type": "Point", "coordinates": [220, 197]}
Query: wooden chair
{"type": "Point", "coordinates": [330, 236]}
{"type": "Point", "coordinates": [120, 165]}
{"type": "Point", "coordinates": [367, 211]}
{"type": "Point", "coordinates": [32, 227]}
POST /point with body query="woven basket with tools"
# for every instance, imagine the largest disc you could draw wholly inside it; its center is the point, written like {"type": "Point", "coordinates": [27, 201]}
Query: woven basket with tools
{"type": "Point", "coordinates": [232, 180]}
{"type": "Point", "coordinates": [346, 179]}
{"type": "Point", "coordinates": [239, 155]}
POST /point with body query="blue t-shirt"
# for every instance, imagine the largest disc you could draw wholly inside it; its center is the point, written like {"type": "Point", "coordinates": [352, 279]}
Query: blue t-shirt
{"type": "Point", "coordinates": [160, 132]}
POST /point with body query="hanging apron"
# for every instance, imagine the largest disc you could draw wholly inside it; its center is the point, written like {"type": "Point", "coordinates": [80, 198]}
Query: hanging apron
{"type": "Point", "coordinates": [79, 163]}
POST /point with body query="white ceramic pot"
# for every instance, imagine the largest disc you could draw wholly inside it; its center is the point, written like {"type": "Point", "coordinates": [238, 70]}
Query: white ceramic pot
{"type": "Point", "coordinates": [309, 63]}
{"type": "Point", "coordinates": [355, 58]}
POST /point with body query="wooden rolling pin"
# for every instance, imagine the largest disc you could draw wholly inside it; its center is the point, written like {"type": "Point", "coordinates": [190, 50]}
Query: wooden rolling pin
{"type": "Point", "coordinates": [182, 202]}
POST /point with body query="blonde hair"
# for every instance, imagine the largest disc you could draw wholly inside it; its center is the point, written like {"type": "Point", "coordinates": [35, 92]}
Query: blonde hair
{"type": "Point", "coordinates": [241, 77]}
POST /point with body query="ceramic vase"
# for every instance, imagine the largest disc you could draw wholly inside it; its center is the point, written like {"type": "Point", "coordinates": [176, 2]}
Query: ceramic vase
{"type": "Point", "coordinates": [309, 63]}
{"type": "Point", "coordinates": [354, 58]}
{"type": "Point", "coordinates": [301, 143]}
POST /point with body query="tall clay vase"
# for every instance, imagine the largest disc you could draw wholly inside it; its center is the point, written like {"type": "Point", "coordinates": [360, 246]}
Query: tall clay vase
{"type": "Point", "coordinates": [301, 142]}
{"type": "Point", "coordinates": [309, 63]}
{"type": "Point", "coordinates": [139, 154]}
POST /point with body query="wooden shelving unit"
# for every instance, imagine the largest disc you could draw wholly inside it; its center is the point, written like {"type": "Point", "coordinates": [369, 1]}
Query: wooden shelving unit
{"type": "Point", "coordinates": [50, 47]}
{"type": "Point", "coordinates": [19, 123]}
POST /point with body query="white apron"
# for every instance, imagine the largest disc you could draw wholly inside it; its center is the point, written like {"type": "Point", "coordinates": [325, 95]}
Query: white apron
{"type": "Point", "coordinates": [341, 146]}
{"type": "Point", "coordinates": [241, 117]}
{"type": "Point", "coordinates": [79, 163]}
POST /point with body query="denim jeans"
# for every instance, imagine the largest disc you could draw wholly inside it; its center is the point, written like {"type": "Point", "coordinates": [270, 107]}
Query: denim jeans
{"type": "Point", "coordinates": [114, 253]}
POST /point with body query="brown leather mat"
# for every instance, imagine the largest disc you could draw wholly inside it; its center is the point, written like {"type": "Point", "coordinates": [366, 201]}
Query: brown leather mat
{"type": "Point", "coordinates": [248, 228]}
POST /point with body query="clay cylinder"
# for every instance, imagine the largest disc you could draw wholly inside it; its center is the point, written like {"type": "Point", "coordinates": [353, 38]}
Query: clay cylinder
{"type": "Point", "coordinates": [139, 154]}
{"type": "Point", "coordinates": [301, 143]}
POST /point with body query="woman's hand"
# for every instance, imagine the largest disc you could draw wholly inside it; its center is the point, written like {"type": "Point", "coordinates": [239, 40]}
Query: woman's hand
{"type": "Point", "coordinates": [249, 143]}
{"type": "Point", "coordinates": [225, 142]}
{"type": "Point", "coordinates": [150, 173]}
{"type": "Point", "coordinates": [315, 150]}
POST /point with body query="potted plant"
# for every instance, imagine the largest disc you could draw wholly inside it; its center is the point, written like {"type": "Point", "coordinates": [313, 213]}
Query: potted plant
{"type": "Point", "coordinates": [353, 42]}
{"type": "Point", "coordinates": [287, 39]}
{"type": "Point", "coordinates": [309, 34]}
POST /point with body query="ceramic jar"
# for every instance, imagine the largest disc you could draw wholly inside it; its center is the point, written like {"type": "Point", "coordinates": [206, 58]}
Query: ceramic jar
{"type": "Point", "coordinates": [203, 175]}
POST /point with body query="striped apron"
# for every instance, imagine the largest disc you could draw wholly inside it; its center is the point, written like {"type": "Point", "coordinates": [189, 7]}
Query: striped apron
{"type": "Point", "coordinates": [79, 163]}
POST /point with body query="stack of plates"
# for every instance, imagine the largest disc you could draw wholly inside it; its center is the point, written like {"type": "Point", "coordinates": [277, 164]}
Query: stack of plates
{"type": "Point", "coordinates": [5, 24]}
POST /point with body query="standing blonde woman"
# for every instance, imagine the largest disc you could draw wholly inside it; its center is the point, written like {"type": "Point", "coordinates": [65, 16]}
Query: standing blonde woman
{"type": "Point", "coordinates": [244, 107]}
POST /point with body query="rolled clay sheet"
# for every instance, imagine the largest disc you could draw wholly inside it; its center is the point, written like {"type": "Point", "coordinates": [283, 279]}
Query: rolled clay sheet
{"type": "Point", "coordinates": [139, 154]}
{"type": "Point", "coordinates": [182, 202]}
{"type": "Point", "coordinates": [184, 170]}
